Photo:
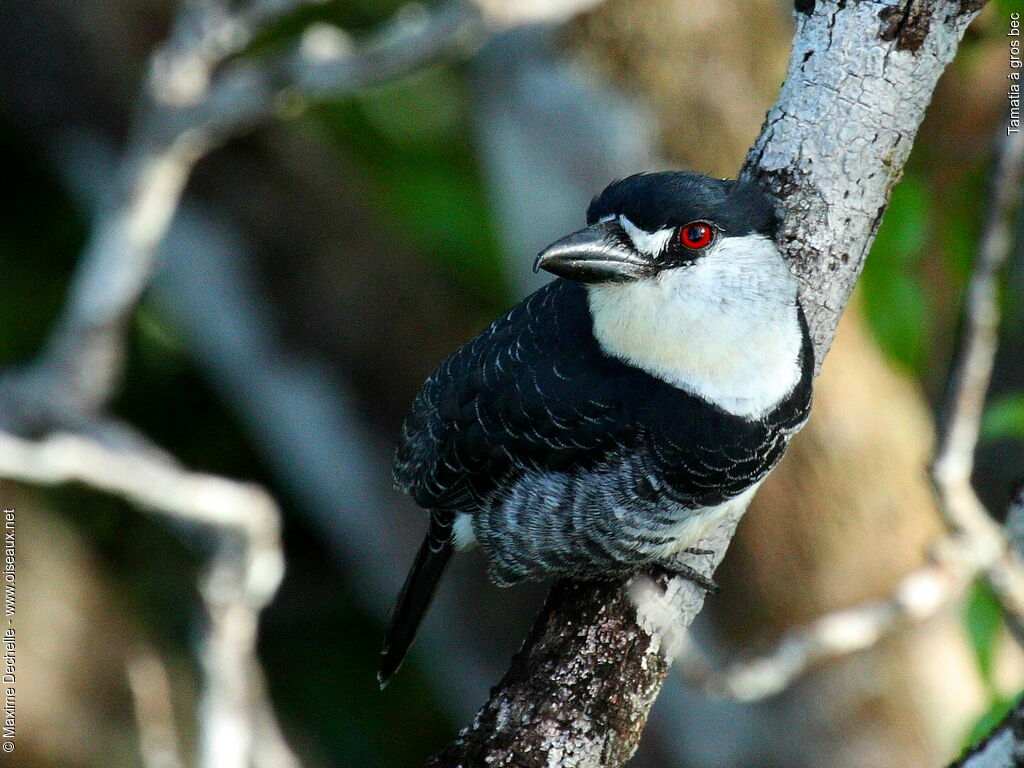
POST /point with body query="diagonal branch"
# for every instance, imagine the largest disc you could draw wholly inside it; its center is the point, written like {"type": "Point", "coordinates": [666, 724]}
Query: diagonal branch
{"type": "Point", "coordinates": [193, 101]}
{"type": "Point", "coordinates": [832, 147]}
{"type": "Point", "coordinates": [975, 545]}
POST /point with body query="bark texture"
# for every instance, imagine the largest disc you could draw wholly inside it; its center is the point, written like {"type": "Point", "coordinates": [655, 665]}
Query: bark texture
{"type": "Point", "coordinates": [585, 660]}
{"type": "Point", "coordinates": [844, 518]}
{"type": "Point", "coordinates": [818, 537]}
{"type": "Point", "coordinates": [859, 79]}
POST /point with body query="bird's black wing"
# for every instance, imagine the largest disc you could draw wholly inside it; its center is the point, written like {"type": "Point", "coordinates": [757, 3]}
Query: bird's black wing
{"type": "Point", "coordinates": [532, 391]}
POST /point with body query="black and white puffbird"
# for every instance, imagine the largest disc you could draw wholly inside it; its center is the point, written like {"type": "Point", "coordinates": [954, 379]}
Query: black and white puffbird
{"type": "Point", "coordinates": [607, 421]}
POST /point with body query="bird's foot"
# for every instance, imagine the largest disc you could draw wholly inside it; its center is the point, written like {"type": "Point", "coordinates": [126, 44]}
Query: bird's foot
{"type": "Point", "coordinates": [687, 572]}
{"type": "Point", "coordinates": [692, 574]}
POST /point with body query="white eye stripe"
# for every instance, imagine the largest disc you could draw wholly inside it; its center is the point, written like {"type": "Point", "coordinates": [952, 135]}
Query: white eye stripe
{"type": "Point", "coordinates": [650, 243]}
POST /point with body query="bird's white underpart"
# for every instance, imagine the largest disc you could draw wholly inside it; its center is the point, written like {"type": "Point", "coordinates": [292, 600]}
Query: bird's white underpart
{"type": "Point", "coordinates": [462, 532]}
{"type": "Point", "coordinates": [724, 328]}
{"type": "Point", "coordinates": [692, 528]}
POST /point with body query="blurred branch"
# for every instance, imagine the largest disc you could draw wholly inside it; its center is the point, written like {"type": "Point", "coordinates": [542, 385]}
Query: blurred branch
{"type": "Point", "coordinates": [154, 711]}
{"type": "Point", "coordinates": [270, 750]}
{"type": "Point", "coordinates": [194, 100]}
{"type": "Point", "coordinates": [832, 147]}
{"type": "Point", "coordinates": [244, 572]}
{"type": "Point", "coordinates": [970, 525]}
{"type": "Point", "coordinates": [972, 366]}
{"type": "Point", "coordinates": [153, 482]}
{"type": "Point", "coordinates": [917, 597]}
{"type": "Point", "coordinates": [503, 14]}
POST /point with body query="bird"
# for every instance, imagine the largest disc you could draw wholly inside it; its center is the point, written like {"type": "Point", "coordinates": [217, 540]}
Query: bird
{"type": "Point", "coordinates": [610, 419]}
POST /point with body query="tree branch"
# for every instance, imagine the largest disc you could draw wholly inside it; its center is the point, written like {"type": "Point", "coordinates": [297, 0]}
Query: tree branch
{"type": "Point", "coordinates": [832, 147]}
{"type": "Point", "coordinates": [582, 686]}
{"type": "Point", "coordinates": [965, 516]}
{"type": "Point", "coordinates": [976, 545]}
{"type": "Point", "coordinates": [192, 102]}
{"type": "Point", "coordinates": [150, 687]}
{"type": "Point", "coordinates": [917, 597]}
{"type": "Point", "coordinates": [244, 572]}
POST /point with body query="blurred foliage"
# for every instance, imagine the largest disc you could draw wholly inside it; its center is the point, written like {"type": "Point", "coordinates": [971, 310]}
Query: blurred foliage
{"type": "Point", "coordinates": [894, 299]}
{"type": "Point", "coordinates": [1004, 418]}
{"type": "Point", "coordinates": [411, 139]}
{"type": "Point", "coordinates": [958, 225]}
{"type": "Point", "coordinates": [1006, 7]}
{"type": "Point", "coordinates": [40, 236]}
{"type": "Point", "coordinates": [993, 716]}
{"type": "Point", "coordinates": [984, 620]}
{"type": "Point", "coordinates": [356, 17]}
{"type": "Point", "coordinates": [983, 617]}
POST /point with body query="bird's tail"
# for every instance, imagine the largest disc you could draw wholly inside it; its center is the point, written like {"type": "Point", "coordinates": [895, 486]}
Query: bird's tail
{"type": "Point", "coordinates": [414, 599]}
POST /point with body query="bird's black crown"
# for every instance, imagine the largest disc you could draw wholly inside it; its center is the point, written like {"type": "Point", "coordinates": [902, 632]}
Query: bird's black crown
{"type": "Point", "coordinates": [654, 201]}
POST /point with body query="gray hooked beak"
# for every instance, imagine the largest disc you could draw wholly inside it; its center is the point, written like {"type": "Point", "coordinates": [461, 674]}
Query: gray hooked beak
{"type": "Point", "coordinates": [600, 253]}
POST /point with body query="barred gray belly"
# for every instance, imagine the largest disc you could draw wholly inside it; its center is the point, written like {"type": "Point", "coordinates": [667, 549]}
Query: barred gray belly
{"type": "Point", "coordinates": [567, 525]}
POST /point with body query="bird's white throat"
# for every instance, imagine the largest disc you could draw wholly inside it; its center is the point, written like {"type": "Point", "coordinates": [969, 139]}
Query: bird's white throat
{"type": "Point", "coordinates": [725, 328]}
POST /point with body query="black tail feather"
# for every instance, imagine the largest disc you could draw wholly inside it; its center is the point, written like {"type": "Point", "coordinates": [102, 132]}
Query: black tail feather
{"type": "Point", "coordinates": [413, 602]}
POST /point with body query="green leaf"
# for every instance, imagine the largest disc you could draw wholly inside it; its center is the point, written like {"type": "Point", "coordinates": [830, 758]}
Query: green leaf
{"type": "Point", "coordinates": [1006, 7]}
{"type": "Point", "coordinates": [1004, 418]}
{"type": "Point", "coordinates": [155, 339]}
{"type": "Point", "coordinates": [998, 709]}
{"type": "Point", "coordinates": [894, 300]}
{"type": "Point", "coordinates": [984, 618]}
{"type": "Point", "coordinates": [421, 175]}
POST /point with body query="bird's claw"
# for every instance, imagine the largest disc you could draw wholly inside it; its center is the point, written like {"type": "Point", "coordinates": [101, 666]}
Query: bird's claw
{"type": "Point", "coordinates": [692, 574]}
{"type": "Point", "coordinates": [689, 573]}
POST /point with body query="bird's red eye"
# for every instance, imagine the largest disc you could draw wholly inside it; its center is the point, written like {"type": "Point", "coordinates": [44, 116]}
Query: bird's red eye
{"type": "Point", "coordinates": [696, 235]}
